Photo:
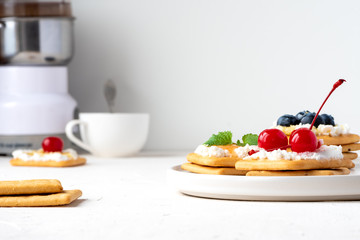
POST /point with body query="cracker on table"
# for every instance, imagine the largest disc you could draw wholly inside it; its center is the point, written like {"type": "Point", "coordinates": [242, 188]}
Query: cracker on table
{"type": "Point", "coordinates": [340, 140]}
{"type": "Point", "coordinates": [49, 163]}
{"type": "Point", "coordinates": [54, 199]}
{"type": "Point", "coordinates": [212, 170]}
{"type": "Point", "coordinates": [34, 186]}
{"type": "Point", "coordinates": [323, 172]}
{"type": "Point", "coordinates": [282, 164]}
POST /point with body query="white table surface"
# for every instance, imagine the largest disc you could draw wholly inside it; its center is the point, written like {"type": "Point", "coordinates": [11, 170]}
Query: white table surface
{"type": "Point", "coordinates": [129, 199]}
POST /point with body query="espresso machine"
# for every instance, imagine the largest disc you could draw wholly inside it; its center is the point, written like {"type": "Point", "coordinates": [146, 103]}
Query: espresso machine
{"type": "Point", "coordinates": [36, 44]}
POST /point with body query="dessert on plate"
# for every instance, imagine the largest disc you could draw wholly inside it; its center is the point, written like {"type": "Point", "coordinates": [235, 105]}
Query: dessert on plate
{"type": "Point", "coordinates": [51, 155]}
{"type": "Point", "coordinates": [274, 153]}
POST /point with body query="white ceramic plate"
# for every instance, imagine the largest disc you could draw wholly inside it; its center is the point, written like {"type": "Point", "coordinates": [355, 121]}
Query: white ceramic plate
{"type": "Point", "coordinates": [302, 188]}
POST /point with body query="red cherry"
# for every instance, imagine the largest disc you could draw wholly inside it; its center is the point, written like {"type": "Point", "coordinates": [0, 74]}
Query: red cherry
{"type": "Point", "coordinates": [52, 144]}
{"type": "Point", "coordinates": [272, 139]}
{"type": "Point", "coordinates": [303, 140]}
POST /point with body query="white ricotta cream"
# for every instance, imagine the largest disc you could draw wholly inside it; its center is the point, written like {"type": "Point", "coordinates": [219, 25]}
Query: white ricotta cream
{"type": "Point", "coordinates": [212, 151]}
{"type": "Point", "coordinates": [242, 152]}
{"type": "Point", "coordinates": [40, 155]}
{"type": "Point", "coordinates": [322, 154]}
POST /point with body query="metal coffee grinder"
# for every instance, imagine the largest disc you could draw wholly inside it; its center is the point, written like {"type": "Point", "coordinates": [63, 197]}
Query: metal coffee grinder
{"type": "Point", "coordinates": [36, 44]}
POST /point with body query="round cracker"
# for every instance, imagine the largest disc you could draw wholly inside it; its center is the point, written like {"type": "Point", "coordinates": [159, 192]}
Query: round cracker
{"type": "Point", "coordinates": [212, 161]}
{"type": "Point", "coordinates": [340, 140]}
{"type": "Point", "coordinates": [282, 164]}
{"type": "Point", "coordinates": [350, 155]}
{"type": "Point", "coordinates": [351, 147]}
{"type": "Point", "coordinates": [211, 170]}
{"type": "Point", "coordinates": [323, 172]}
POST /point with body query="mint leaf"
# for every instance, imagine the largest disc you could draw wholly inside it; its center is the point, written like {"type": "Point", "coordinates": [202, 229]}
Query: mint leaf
{"type": "Point", "coordinates": [240, 143]}
{"type": "Point", "coordinates": [251, 139]}
{"type": "Point", "coordinates": [222, 138]}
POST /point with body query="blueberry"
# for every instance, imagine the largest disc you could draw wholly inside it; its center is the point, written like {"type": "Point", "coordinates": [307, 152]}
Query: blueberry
{"type": "Point", "coordinates": [287, 120]}
{"type": "Point", "coordinates": [328, 119]}
{"type": "Point", "coordinates": [308, 118]}
{"type": "Point", "coordinates": [300, 115]}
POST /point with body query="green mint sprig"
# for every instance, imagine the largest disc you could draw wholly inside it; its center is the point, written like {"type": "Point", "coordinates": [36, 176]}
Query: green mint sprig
{"type": "Point", "coordinates": [251, 139]}
{"type": "Point", "coordinates": [225, 138]}
{"type": "Point", "coordinates": [222, 138]}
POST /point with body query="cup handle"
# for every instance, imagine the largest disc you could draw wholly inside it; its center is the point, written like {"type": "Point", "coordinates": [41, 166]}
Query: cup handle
{"type": "Point", "coordinates": [69, 133]}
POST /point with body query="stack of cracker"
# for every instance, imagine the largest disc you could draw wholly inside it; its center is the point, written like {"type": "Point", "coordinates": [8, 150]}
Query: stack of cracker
{"type": "Point", "coordinates": [285, 163]}
{"type": "Point", "coordinates": [35, 193]}
{"type": "Point", "coordinates": [220, 162]}
{"type": "Point", "coordinates": [235, 160]}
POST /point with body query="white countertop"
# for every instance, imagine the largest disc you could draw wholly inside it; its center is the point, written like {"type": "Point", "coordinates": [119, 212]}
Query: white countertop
{"type": "Point", "coordinates": [129, 199]}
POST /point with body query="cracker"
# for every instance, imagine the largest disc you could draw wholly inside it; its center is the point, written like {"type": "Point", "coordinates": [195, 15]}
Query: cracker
{"type": "Point", "coordinates": [351, 147]}
{"type": "Point", "coordinates": [212, 161]}
{"type": "Point", "coordinates": [34, 186]}
{"type": "Point", "coordinates": [49, 163]}
{"type": "Point", "coordinates": [282, 164]}
{"type": "Point", "coordinates": [55, 199]}
{"type": "Point", "coordinates": [211, 170]}
{"type": "Point", "coordinates": [340, 140]}
{"type": "Point", "coordinates": [325, 172]}
{"type": "Point", "coordinates": [350, 155]}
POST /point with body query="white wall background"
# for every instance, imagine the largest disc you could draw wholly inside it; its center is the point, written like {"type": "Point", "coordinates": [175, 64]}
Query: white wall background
{"type": "Point", "coordinates": [199, 67]}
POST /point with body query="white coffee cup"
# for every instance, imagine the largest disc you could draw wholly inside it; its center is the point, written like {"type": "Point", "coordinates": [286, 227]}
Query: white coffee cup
{"type": "Point", "coordinates": [110, 134]}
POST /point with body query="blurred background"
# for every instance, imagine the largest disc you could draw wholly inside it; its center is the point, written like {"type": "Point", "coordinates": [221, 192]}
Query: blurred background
{"type": "Point", "coordinates": [199, 67]}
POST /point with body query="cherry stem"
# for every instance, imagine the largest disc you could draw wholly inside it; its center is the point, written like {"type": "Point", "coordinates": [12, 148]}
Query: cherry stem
{"type": "Point", "coordinates": [336, 85]}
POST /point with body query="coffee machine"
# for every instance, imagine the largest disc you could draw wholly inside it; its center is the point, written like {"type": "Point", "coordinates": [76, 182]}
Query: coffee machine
{"type": "Point", "coordinates": [36, 44]}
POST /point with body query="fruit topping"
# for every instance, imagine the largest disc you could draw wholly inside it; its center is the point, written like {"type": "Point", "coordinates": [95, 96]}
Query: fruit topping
{"type": "Point", "coordinates": [52, 144]}
{"type": "Point", "coordinates": [328, 119]}
{"type": "Point", "coordinates": [300, 115]}
{"type": "Point", "coordinates": [303, 140]}
{"type": "Point", "coordinates": [251, 152]}
{"type": "Point", "coordinates": [287, 120]}
{"type": "Point", "coordinates": [308, 119]}
{"type": "Point", "coordinates": [272, 139]}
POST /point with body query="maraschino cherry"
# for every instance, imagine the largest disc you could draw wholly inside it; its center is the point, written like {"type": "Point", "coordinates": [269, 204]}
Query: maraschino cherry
{"type": "Point", "coordinates": [272, 139]}
{"type": "Point", "coordinates": [303, 139]}
{"type": "Point", "coordinates": [52, 144]}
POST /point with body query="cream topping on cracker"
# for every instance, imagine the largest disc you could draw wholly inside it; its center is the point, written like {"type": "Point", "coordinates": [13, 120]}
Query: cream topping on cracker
{"type": "Point", "coordinates": [212, 151]}
{"type": "Point", "coordinates": [40, 155]}
{"type": "Point", "coordinates": [321, 154]}
{"type": "Point", "coordinates": [243, 152]}
{"type": "Point", "coordinates": [321, 130]}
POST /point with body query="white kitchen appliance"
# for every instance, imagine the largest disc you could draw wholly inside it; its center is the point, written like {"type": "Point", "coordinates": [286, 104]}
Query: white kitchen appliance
{"type": "Point", "coordinates": [34, 104]}
{"type": "Point", "coordinates": [36, 44]}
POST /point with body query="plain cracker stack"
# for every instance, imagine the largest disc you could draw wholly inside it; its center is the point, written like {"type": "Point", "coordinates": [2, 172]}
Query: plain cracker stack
{"type": "Point", "coordinates": [35, 193]}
